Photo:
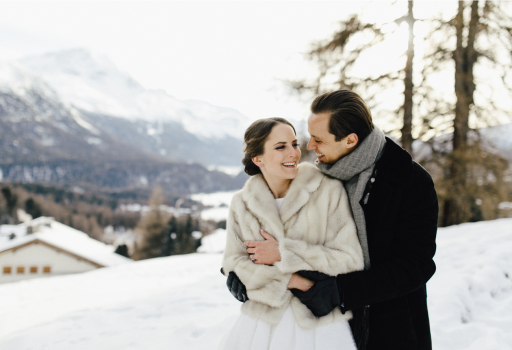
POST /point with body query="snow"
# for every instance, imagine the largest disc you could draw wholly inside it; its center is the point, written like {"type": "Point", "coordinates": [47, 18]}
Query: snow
{"type": "Point", "coordinates": [6, 230]}
{"type": "Point", "coordinates": [214, 242]}
{"type": "Point", "coordinates": [230, 170]}
{"type": "Point", "coordinates": [215, 199]}
{"type": "Point", "coordinates": [505, 205]}
{"type": "Point", "coordinates": [218, 200]}
{"type": "Point", "coordinates": [64, 237]}
{"type": "Point", "coordinates": [18, 79]}
{"type": "Point", "coordinates": [168, 303]}
{"type": "Point", "coordinates": [181, 302]}
{"type": "Point", "coordinates": [215, 214]}
{"type": "Point", "coordinates": [470, 296]}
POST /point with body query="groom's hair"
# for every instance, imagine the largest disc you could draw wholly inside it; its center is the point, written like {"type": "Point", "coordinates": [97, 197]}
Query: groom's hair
{"type": "Point", "coordinates": [349, 113]}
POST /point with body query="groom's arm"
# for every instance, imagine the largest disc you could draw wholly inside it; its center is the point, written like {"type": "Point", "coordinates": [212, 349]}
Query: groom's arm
{"type": "Point", "coordinates": [410, 264]}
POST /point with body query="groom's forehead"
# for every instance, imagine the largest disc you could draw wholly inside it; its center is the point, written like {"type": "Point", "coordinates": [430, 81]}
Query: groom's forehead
{"type": "Point", "coordinates": [319, 122]}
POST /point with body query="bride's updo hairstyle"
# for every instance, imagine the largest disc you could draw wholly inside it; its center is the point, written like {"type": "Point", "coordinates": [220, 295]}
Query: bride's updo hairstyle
{"type": "Point", "coordinates": [254, 141]}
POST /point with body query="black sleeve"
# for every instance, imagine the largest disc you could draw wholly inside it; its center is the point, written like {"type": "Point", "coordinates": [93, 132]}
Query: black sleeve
{"type": "Point", "coordinates": [409, 263]}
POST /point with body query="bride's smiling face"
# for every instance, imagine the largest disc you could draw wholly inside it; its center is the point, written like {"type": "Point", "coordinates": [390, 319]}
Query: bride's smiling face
{"type": "Point", "coordinates": [281, 153]}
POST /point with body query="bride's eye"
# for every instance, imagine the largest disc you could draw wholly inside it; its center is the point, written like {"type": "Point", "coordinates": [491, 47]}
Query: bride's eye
{"type": "Point", "coordinates": [296, 145]}
{"type": "Point", "coordinates": [280, 147]}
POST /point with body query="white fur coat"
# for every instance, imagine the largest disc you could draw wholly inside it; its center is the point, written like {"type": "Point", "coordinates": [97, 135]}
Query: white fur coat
{"type": "Point", "coordinates": [315, 231]}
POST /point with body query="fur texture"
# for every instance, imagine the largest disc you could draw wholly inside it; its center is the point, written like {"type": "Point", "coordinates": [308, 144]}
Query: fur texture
{"type": "Point", "coordinates": [315, 231]}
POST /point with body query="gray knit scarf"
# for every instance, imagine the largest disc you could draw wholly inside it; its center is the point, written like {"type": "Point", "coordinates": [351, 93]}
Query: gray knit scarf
{"type": "Point", "coordinates": [354, 170]}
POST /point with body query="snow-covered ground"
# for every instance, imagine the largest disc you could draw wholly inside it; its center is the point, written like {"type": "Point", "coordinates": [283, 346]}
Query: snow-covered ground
{"type": "Point", "coordinates": [181, 302]}
{"type": "Point", "coordinates": [470, 296]}
{"type": "Point", "coordinates": [214, 242]}
{"type": "Point", "coordinates": [220, 202]}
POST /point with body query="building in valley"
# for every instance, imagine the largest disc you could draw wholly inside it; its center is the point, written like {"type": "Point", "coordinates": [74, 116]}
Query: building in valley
{"type": "Point", "coordinates": [45, 247]}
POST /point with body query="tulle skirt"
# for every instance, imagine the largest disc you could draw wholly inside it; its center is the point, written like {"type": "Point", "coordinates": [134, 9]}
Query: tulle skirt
{"type": "Point", "coordinates": [249, 333]}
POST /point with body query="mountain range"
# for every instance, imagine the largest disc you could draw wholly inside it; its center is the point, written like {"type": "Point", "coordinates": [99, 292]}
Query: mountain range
{"type": "Point", "coordinates": [73, 117]}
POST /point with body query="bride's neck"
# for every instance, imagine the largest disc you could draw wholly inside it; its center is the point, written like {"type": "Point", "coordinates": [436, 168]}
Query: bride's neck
{"type": "Point", "coordinates": [278, 186]}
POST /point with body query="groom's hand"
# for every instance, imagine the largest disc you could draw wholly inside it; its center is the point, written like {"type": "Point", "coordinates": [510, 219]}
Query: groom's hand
{"type": "Point", "coordinates": [263, 252]}
{"type": "Point", "coordinates": [322, 297]}
{"type": "Point", "coordinates": [235, 286]}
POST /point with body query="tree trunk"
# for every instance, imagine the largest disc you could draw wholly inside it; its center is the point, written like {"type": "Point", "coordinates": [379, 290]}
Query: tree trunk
{"type": "Point", "coordinates": [408, 92]}
{"type": "Point", "coordinates": [465, 58]}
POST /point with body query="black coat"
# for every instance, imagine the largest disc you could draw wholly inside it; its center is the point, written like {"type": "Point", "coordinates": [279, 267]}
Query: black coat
{"type": "Point", "coordinates": [401, 220]}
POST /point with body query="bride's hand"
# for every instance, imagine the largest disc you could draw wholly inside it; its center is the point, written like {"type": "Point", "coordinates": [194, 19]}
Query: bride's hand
{"type": "Point", "coordinates": [299, 282]}
{"type": "Point", "coordinates": [263, 252]}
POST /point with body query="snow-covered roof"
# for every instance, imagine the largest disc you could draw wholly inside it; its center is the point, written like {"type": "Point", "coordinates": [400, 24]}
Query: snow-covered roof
{"type": "Point", "coordinates": [78, 243]}
{"type": "Point", "coordinates": [7, 230]}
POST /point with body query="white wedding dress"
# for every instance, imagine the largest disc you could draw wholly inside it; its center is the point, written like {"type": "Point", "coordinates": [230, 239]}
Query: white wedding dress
{"type": "Point", "coordinates": [249, 333]}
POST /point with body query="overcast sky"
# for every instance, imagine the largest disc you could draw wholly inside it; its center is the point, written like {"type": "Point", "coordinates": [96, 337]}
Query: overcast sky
{"type": "Point", "coordinates": [232, 54]}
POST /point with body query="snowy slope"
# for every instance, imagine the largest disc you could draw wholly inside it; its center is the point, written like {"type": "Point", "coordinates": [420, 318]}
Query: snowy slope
{"type": "Point", "coordinates": [91, 82]}
{"type": "Point", "coordinates": [181, 302]}
{"type": "Point", "coordinates": [16, 78]}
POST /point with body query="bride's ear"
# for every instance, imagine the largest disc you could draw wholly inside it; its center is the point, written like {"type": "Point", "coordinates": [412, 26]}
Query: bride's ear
{"type": "Point", "coordinates": [257, 161]}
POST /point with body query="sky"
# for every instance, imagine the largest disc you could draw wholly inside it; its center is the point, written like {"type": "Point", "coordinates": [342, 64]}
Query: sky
{"type": "Point", "coordinates": [227, 53]}
{"type": "Point", "coordinates": [235, 54]}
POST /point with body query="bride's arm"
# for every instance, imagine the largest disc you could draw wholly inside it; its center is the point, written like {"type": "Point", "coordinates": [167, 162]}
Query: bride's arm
{"type": "Point", "coordinates": [264, 284]}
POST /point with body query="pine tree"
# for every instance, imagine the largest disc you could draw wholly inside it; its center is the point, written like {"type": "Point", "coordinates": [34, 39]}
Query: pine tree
{"type": "Point", "coordinates": [336, 57]}
{"type": "Point", "coordinates": [472, 171]}
{"type": "Point", "coordinates": [11, 200]}
{"type": "Point", "coordinates": [170, 237]}
{"type": "Point", "coordinates": [33, 208]}
{"type": "Point", "coordinates": [151, 229]}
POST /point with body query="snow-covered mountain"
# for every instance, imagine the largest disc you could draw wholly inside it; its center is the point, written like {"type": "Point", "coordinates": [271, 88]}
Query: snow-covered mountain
{"type": "Point", "coordinates": [37, 125]}
{"type": "Point", "coordinates": [91, 82]}
{"type": "Point", "coordinates": [46, 139]}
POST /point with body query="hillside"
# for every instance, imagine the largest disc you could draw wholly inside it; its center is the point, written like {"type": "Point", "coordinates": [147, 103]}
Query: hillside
{"type": "Point", "coordinates": [181, 302]}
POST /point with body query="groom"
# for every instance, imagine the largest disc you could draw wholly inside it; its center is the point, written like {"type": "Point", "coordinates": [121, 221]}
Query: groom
{"type": "Point", "coordinates": [395, 209]}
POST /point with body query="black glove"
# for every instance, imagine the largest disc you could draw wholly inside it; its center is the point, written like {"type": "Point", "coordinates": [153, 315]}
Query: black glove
{"type": "Point", "coordinates": [323, 297]}
{"type": "Point", "coordinates": [236, 287]}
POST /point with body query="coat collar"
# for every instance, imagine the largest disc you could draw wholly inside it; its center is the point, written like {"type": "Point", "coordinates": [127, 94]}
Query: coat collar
{"type": "Point", "coordinates": [395, 165]}
{"type": "Point", "coordinates": [260, 201]}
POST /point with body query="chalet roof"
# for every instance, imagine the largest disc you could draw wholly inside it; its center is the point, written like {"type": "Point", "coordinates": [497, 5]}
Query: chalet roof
{"type": "Point", "coordinates": [55, 234]}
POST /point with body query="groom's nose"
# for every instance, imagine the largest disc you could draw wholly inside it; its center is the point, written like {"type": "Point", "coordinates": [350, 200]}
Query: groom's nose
{"type": "Point", "coordinates": [311, 144]}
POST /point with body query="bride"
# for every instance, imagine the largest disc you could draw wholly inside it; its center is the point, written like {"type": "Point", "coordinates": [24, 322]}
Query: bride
{"type": "Point", "coordinates": [309, 215]}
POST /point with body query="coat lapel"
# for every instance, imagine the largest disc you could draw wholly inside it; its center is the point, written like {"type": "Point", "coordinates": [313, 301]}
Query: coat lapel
{"type": "Point", "coordinates": [259, 200]}
{"type": "Point", "coordinates": [394, 169]}
{"type": "Point", "coordinates": [307, 181]}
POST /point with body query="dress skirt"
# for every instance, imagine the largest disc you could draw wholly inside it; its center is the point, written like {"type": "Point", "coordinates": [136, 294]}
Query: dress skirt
{"type": "Point", "coordinates": [249, 333]}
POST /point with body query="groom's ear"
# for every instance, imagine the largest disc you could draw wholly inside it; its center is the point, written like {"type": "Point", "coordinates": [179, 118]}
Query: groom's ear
{"type": "Point", "coordinates": [352, 140]}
